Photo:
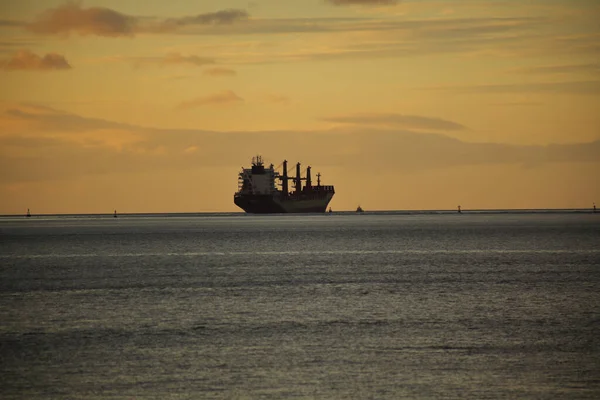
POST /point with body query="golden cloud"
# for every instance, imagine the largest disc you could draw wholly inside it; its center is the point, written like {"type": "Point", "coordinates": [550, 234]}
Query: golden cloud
{"type": "Point", "coordinates": [71, 17]}
{"type": "Point", "coordinates": [397, 120]}
{"type": "Point", "coordinates": [226, 97]}
{"type": "Point", "coordinates": [173, 59]}
{"type": "Point", "coordinates": [362, 2]}
{"type": "Point", "coordinates": [26, 60]}
{"type": "Point", "coordinates": [222, 17]}
{"type": "Point", "coordinates": [220, 71]}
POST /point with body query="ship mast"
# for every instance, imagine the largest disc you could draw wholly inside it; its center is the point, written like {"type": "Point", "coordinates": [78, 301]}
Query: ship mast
{"type": "Point", "coordinates": [284, 184]}
{"type": "Point", "coordinates": [258, 192]}
{"type": "Point", "coordinates": [298, 179]}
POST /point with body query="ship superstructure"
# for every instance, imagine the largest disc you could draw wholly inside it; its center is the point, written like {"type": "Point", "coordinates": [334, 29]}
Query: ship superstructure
{"type": "Point", "coordinates": [263, 190]}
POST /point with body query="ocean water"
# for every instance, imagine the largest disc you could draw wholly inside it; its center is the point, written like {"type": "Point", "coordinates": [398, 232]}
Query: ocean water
{"type": "Point", "coordinates": [335, 306]}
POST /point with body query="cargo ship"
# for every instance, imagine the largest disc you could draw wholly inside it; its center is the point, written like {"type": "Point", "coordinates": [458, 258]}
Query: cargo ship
{"type": "Point", "coordinates": [263, 190]}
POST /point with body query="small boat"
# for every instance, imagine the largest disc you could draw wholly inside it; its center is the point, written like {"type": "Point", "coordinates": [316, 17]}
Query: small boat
{"type": "Point", "coordinates": [359, 209]}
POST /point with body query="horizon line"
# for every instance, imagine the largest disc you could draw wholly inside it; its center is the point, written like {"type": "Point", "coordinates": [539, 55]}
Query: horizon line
{"type": "Point", "coordinates": [407, 211]}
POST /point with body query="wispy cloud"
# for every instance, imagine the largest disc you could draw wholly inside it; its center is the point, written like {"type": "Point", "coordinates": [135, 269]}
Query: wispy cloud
{"type": "Point", "coordinates": [99, 146]}
{"type": "Point", "coordinates": [73, 18]}
{"type": "Point", "coordinates": [397, 121]}
{"type": "Point", "coordinates": [170, 59]}
{"type": "Point", "coordinates": [10, 23]}
{"type": "Point", "coordinates": [362, 2]}
{"type": "Point", "coordinates": [390, 36]}
{"type": "Point", "coordinates": [275, 98]}
{"type": "Point", "coordinates": [374, 38]}
{"type": "Point", "coordinates": [224, 98]}
{"type": "Point", "coordinates": [560, 69]}
{"type": "Point", "coordinates": [220, 71]}
{"type": "Point", "coordinates": [223, 17]}
{"type": "Point", "coordinates": [8, 47]}
{"type": "Point", "coordinates": [50, 119]}
{"type": "Point", "coordinates": [27, 60]}
{"type": "Point", "coordinates": [572, 87]}
{"type": "Point", "coordinates": [146, 150]}
{"type": "Point", "coordinates": [174, 59]}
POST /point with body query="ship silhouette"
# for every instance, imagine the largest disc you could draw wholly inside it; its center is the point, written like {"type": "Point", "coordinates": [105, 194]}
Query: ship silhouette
{"type": "Point", "coordinates": [263, 190]}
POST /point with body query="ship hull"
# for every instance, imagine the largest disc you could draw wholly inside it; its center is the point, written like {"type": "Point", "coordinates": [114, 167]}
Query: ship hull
{"type": "Point", "coordinates": [265, 204]}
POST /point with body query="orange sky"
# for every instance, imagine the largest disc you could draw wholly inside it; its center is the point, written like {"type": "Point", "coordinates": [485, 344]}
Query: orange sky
{"type": "Point", "coordinates": [155, 106]}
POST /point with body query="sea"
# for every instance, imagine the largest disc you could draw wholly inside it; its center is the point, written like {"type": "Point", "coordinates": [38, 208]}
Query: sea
{"type": "Point", "coordinates": [377, 305]}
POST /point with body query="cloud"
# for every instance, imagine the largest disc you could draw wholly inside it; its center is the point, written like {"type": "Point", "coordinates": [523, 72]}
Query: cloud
{"type": "Point", "coordinates": [397, 120]}
{"type": "Point", "coordinates": [560, 69]}
{"type": "Point", "coordinates": [275, 98]}
{"type": "Point", "coordinates": [362, 2]}
{"type": "Point", "coordinates": [171, 59]}
{"type": "Point", "coordinates": [226, 97]}
{"type": "Point", "coordinates": [9, 46]}
{"type": "Point", "coordinates": [219, 71]}
{"type": "Point", "coordinates": [29, 143]}
{"type": "Point", "coordinates": [26, 60]}
{"type": "Point", "coordinates": [569, 87]}
{"type": "Point", "coordinates": [518, 103]}
{"type": "Point", "coordinates": [498, 30]}
{"type": "Point", "coordinates": [222, 17]}
{"type": "Point", "coordinates": [388, 36]}
{"type": "Point", "coordinates": [50, 119]}
{"type": "Point", "coordinates": [71, 17]}
{"type": "Point", "coordinates": [413, 144]}
{"type": "Point", "coordinates": [176, 58]}
{"type": "Point", "coordinates": [10, 23]}
{"type": "Point", "coordinates": [383, 38]}
{"type": "Point", "coordinates": [82, 146]}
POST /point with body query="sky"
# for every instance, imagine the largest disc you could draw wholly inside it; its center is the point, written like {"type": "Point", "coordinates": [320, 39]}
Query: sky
{"type": "Point", "coordinates": [155, 106]}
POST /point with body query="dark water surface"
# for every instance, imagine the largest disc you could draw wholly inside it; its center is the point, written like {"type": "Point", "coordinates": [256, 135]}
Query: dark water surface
{"type": "Point", "coordinates": [310, 306]}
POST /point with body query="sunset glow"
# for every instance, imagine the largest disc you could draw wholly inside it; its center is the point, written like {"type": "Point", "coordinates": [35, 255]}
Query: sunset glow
{"type": "Point", "coordinates": [154, 106]}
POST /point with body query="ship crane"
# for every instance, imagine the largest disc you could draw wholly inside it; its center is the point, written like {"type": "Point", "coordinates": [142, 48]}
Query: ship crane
{"type": "Point", "coordinates": [258, 192]}
{"type": "Point", "coordinates": [297, 179]}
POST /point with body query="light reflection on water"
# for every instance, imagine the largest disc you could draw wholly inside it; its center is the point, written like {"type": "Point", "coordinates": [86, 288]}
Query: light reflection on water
{"type": "Point", "coordinates": [370, 306]}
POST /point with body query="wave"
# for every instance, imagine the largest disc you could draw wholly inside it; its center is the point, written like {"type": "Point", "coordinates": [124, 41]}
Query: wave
{"type": "Point", "coordinates": [291, 253]}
